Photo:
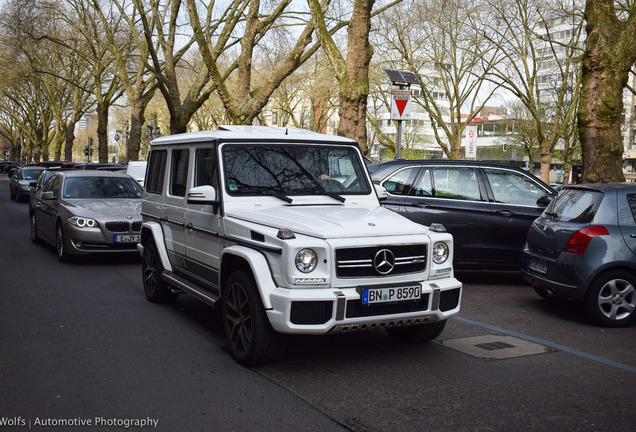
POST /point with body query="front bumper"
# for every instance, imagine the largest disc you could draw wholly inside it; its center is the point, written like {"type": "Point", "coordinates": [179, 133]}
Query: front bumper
{"type": "Point", "coordinates": [332, 310]}
{"type": "Point", "coordinates": [87, 241]}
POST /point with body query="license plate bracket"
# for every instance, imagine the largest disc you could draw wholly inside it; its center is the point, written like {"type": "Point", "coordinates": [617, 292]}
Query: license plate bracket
{"type": "Point", "coordinates": [538, 266]}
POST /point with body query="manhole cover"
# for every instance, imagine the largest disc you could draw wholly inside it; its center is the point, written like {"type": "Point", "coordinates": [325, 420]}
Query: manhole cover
{"type": "Point", "coordinates": [495, 346]}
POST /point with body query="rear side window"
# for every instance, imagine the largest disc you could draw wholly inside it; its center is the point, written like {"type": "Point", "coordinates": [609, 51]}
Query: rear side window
{"type": "Point", "coordinates": [631, 200]}
{"type": "Point", "coordinates": [460, 183]}
{"type": "Point", "coordinates": [575, 205]}
{"type": "Point", "coordinates": [156, 171]}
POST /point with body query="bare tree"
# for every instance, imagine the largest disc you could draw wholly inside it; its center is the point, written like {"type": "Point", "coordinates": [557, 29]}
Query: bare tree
{"type": "Point", "coordinates": [442, 42]}
{"type": "Point", "coordinates": [540, 67]}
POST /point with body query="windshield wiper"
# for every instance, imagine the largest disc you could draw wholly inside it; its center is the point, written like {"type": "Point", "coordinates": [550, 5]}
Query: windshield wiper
{"type": "Point", "coordinates": [321, 192]}
{"type": "Point", "coordinates": [266, 191]}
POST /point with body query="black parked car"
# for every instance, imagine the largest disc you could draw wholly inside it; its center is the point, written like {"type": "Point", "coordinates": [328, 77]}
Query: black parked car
{"type": "Point", "coordinates": [486, 206]}
{"type": "Point", "coordinates": [583, 247]}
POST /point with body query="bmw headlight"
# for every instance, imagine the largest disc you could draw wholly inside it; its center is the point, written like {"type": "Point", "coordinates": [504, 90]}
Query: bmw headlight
{"type": "Point", "coordinates": [82, 222]}
{"type": "Point", "coordinates": [306, 260]}
{"type": "Point", "coordinates": [440, 252]}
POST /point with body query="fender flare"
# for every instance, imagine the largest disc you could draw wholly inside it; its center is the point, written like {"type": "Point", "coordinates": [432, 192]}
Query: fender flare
{"type": "Point", "coordinates": [155, 230]}
{"type": "Point", "coordinates": [255, 260]}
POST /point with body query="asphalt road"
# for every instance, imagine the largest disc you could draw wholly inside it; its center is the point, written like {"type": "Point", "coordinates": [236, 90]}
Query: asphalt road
{"type": "Point", "coordinates": [82, 350]}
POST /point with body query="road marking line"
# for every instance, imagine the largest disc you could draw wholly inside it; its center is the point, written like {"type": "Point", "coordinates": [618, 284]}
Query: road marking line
{"type": "Point", "coordinates": [550, 344]}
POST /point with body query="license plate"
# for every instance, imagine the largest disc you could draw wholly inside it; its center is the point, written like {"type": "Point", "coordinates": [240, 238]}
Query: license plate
{"type": "Point", "coordinates": [389, 295]}
{"type": "Point", "coordinates": [538, 266]}
{"type": "Point", "coordinates": [126, 238]}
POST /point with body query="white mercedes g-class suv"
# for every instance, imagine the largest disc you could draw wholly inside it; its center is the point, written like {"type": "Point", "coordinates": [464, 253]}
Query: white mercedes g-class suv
{"type": "Point", "coordinates": [283, 229]}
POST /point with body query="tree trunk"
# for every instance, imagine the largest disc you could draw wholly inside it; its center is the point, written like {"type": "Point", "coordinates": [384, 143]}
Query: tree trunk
{"type": "Point", "coordinates": [102, 132]}
{"type": "Point", "coordinates": [136, 123]}
{"type": "Point", "coordinates": [70, 138]}
{"type": "Point", "coordinates": [609, 54]}
{"type": "Point", "coordinates": [354, 86]}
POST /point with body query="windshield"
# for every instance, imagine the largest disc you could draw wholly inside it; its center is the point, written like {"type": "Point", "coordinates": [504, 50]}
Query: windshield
{"type": "Point", "coordinates": [101, 187]}
{"type": "Point", "coordinates": [293, 170]}
{"type": "Point", "coordinates": [31, 173]}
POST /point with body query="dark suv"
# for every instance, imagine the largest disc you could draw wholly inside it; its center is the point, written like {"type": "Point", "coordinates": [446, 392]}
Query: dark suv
{"type": "Point", "coordinates": [486, 206]}
{"type": "Point", "coordinates": [583, 247]}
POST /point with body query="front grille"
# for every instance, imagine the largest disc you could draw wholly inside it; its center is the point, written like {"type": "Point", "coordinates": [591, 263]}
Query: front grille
{"type": "Point", "coordinates": [117, 226]}
{"type": "Point", "coordinates": [359, 262]}
{"type": "Point", "coordinates": [355, 309]}
{"type": "Point", "coordinates": [123, 226]}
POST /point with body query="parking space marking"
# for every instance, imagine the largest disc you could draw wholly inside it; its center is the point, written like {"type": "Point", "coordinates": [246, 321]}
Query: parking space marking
{"type": "Point", "coordinates": [549, 344]}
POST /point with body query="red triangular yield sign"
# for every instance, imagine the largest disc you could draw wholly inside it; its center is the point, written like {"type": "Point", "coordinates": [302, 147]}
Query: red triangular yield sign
{"type": "Point", "coordinates": [401, 104]}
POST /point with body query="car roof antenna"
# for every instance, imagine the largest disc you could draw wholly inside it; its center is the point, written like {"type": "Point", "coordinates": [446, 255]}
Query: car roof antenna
{"type": "Point", "coordinates": [598, 175]}
{"type": "Point", "coordinates": [286, 131]}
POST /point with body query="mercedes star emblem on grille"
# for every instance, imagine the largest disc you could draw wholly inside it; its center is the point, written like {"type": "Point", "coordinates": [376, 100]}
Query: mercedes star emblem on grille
{"type": "Point", "coordinates": [384, 261]}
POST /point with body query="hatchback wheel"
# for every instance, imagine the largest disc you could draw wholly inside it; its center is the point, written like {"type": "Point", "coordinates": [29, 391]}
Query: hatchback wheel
{"type": "Point", "coordinates": [610, 300]}
{"type": "Point", "coordinates": [250, 336]}
{"type": "Point", "coordinates": [417, 333]}
{"type": "Point", "coordinates": [60, 244]}
{"type": "Point", "coordinates": [155, 287]}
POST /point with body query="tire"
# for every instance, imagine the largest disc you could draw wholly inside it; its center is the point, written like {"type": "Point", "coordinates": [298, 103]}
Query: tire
{"type": "Point", "coordinates": [61, 245]}
{"type": "Point", "coordinates": [35, 239]}
{"type": "Point", "coordinates": [417, 333]}
{"type": "Point", "coordinates": [610, 300]}
{"type": "Point", "coordinates": [250, 337]}
{"type": "Point", "coordinates": [156, 289]}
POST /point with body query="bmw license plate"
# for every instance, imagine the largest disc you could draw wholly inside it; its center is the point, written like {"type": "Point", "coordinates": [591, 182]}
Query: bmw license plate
{"type": "Point", "coordinates": [372, 296]}
{"type": "Point", "coordinates": [126, 238]}
{"type": "Point", "coordinates": [538, 266]}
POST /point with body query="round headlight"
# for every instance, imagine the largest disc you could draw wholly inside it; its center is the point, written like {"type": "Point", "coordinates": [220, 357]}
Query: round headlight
{"type": "Point", "coordinates": [306, 260]}
{"type": "Point", "coordinates": [82, 222]}
{"type": "Point", "coordinates": [440, 252]}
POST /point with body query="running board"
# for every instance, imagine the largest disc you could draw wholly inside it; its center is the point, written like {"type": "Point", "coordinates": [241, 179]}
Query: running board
{"type": "Point", "coordinates": [190, 287]}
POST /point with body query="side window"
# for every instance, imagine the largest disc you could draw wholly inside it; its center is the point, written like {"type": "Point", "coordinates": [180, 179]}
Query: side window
{"type": "Point", "coordinates": [156, 171]}
{"type": "Point", "coordinates": [459, 183]}
{"type": "Point", "coordinates": [52, 184]}
{"type": "Point", "coordinates": [400, 182]}
{"type": "Point", "coordinates": [631, 201]}
{"type": "Point", "coordinates": [424, 186]}
{"type": "Point", "coordinates": [205, 167]}
{"type": "Point", "coordinates": [179, 172]}
{"type": "Point", "coordinates": [510, 187]}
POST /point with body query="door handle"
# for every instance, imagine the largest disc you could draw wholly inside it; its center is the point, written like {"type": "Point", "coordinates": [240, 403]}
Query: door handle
{"type": "Point", "coordinates": [632, 235]}
{"type": "Point", "coordinates": [420, 205]}
{"type": "Point", "coordinates": [505, 213]}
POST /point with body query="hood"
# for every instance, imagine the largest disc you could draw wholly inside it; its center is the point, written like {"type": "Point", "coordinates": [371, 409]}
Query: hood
{"type": "Point", "coordinates": [332, 221]}
{"type": "Point", "coordinates": [105, 207]}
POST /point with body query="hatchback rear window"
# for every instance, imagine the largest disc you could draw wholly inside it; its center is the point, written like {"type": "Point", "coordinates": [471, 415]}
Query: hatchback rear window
{"type": "Point", "coordinates": [575, 205]}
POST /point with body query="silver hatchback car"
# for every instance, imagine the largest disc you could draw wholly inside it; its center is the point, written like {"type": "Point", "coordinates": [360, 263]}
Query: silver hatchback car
{"type": "Point", "coordinates": [84, 212]}
{"type": "Point", "coordinates": [583, 247]}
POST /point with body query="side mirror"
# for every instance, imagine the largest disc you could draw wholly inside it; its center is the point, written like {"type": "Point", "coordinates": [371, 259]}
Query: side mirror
{"type": "Point", "coordinates": [381, 191]}
{"type": "Point", "coordinates": [33, 184]}
{"type": "Point", "coordinates": [545, 200]}
{"type": "Point", "coordinates": [48, 195]}
{"type": "Point", "coordinates": [205, 195]}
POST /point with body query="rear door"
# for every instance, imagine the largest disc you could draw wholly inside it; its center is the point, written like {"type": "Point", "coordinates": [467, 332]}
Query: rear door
{"type": "Point", "coordinates": [455, 197]}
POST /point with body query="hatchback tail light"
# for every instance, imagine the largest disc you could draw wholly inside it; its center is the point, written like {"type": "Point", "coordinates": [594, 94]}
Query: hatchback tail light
{"type": "Point", "coordinates": [579, 241]}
